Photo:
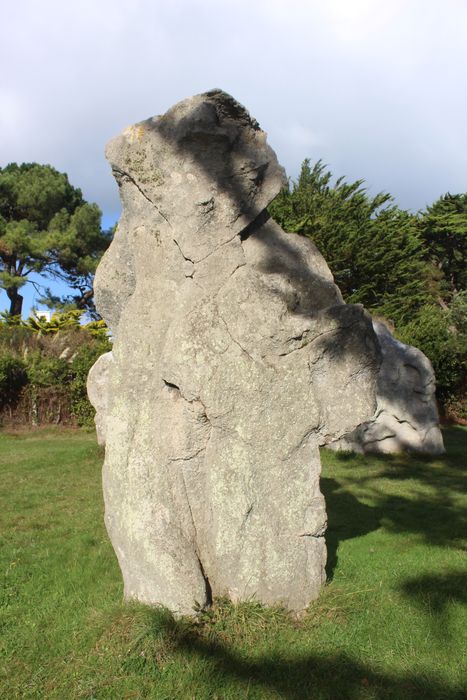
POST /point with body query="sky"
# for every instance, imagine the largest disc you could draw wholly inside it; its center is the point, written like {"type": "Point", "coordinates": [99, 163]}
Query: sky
{"type": "Point", "coordinates": [376, 89]}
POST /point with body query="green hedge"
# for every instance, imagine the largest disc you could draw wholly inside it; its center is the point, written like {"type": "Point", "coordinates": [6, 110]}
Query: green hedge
{"type": "Point", "coordinates": [45, 362]}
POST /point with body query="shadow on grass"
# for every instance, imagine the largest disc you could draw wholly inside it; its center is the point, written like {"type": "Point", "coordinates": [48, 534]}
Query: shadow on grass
{"type": "Point", "coordinates": [347, 518]}
{"type": "Point", "coordinates": [435, 592]}
{"type": "Point", "coordinates": [427, 504]}
{"type": "Point", "coordinates": [434, 595]}
{"type": "Point", "coordinates": [293, 677]}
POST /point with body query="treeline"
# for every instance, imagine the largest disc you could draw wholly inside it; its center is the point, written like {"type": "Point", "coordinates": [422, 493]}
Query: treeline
{"type": "Point", "coordinates": [44, 367]}
{"type": "Point", "coordinates": [408, 268]}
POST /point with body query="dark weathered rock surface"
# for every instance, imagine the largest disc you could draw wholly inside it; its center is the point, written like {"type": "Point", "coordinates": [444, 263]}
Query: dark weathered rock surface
{"type": "Point", "coordinates": [406, 417]}
{"type": "Point", "coordinates": [234, 359]}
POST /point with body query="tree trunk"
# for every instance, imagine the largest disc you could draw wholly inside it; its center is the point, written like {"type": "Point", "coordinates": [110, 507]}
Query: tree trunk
{"type": "Point", "coordinates": [16, 301]}
{"type": "Point", "coordinates": [85, 299]}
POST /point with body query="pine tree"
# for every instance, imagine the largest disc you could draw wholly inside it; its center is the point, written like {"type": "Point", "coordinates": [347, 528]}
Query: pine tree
{"type": "Point", "coordinates": [46, 227]}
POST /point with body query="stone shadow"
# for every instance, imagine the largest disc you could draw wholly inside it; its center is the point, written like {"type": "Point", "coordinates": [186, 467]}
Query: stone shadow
{"type": "Point", "coordinates": [294, 676]}
{"type": "Point", "coordinates": [436, 517]}
{"type": "Point", "coordinates": [347, 518]}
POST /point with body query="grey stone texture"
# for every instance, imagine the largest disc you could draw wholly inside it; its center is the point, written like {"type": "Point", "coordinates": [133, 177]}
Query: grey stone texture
{"type": "Point", "coordinates": [97, 387]}
{"type": "Point", "coordinates": [234, 358]}
{"type": "Point", "coordinates": [406, 417]}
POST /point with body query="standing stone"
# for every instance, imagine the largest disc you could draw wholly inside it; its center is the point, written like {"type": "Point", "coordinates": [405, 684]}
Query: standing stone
{"type": "Point", "coordinates": [406, 417]}
{"type": "Point", "coordinates": [97, 386]}
{"type": "Point", "coordinates": [234, 359]}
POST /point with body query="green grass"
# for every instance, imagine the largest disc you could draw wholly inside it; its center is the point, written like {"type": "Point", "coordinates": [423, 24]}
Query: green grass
{"type": "Point", "coordinates": [390, 623]}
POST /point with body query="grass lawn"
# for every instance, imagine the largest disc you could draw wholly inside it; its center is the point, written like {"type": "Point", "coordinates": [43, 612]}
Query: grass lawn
{"type": "Point", "coordinates": [391, 623]}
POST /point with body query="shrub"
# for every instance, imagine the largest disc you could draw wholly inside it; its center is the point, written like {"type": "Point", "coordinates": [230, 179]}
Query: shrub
{"type": "Point", "coordinates": [50, 361]}
{"type": "Point", "coordinates": [47, 371]}
{"type": "Point", "coordinates": [13, 377]}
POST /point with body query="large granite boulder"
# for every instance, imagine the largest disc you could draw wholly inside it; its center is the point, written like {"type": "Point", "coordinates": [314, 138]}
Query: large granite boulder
{"type": "Point", "coordinates": [234, 359]}
{"type": "Point", "coordinates": [406, 417]}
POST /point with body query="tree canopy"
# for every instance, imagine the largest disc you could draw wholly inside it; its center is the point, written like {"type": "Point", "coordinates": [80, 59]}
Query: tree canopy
{"type": "Point", "coordinates": [443, 228]}
{"type": "Point", "coordinates": [46, 227]}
